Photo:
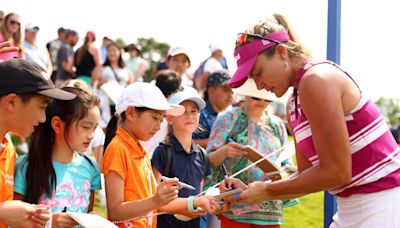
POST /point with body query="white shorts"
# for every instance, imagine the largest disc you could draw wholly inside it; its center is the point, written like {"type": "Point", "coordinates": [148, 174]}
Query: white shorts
{"type": "Point", "coordinates": [379, 209]}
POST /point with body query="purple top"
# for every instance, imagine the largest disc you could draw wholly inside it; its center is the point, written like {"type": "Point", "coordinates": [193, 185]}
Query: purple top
{"type": "Point", "coordinates": [374, 153]}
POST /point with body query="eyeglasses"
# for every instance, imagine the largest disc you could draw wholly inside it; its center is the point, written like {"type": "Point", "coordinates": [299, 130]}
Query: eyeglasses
{"type": "Point", "coordinates": [15, 22]}
{"type": "Point", "coordinates": [244, 38]}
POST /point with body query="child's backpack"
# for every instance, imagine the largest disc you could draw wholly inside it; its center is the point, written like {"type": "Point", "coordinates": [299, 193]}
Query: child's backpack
{"type": "Point", "coordinates": [168, 162]}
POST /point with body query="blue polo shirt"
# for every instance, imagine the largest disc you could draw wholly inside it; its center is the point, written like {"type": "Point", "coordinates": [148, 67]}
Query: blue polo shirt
{"type": "Point", "coordinates": [206, 121]}
{"type": "Point", "coordinates": [190, 168]}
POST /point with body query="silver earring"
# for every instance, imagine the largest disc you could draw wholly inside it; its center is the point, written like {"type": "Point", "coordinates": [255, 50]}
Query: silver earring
{"type": "Point", "coordinates": [285, 64]}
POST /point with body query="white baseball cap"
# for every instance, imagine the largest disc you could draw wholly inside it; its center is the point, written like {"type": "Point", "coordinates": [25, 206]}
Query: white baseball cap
{"type": "Point", "coordinates": [173, 51]}
{"type": "Point", "coordinates": [249, 88]}
{"type": "Point", "coordinates": [143, 94]}
{"type": "Point", "coordinates": [187, 95]}
{"type": "Point", "coordinates": [31, 27]}
{"type": "Point", "coordinates": [214, 47]}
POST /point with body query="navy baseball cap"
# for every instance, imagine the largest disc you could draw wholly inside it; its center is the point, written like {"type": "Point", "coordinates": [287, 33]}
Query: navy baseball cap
{"type": "Point", "coordinates": [21, 76]}
{"type": "Point", "coordinates": [218, 78]}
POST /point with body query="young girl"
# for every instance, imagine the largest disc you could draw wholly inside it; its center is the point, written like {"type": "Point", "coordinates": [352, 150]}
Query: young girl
{"type": "Point", "coordinates": [186, 159]}
{"type": "Point", "coordinates": [54, 173]}
{"type": "Point", "coordinates": [130, 184]}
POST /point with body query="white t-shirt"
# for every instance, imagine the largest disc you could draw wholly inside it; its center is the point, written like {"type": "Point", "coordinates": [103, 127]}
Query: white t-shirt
{"type": "Point", "coordinates": [212, 65]}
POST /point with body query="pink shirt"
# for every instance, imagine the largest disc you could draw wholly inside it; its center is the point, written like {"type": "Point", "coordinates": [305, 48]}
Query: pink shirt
{"type": "Point", "coordinates": [8, 55]}
{"type": "Point", "coordinates": [374, 152]}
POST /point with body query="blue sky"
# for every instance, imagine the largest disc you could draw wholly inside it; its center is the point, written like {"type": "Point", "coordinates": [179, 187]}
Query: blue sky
{"type": "Point", "coordinates": [370, 29]}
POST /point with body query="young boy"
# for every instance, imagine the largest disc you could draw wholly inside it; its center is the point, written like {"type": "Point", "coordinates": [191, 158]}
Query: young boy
{"type": "Point", "coordinates": [24, 96]}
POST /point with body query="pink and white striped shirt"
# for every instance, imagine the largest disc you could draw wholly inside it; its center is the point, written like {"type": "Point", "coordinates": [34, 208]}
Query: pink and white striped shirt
{"type": "Point", "coordinates": [374, 152]}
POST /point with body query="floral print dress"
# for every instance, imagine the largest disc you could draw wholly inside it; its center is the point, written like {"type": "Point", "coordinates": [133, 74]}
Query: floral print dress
{"type": "Point", "coordinates": [267, 138]}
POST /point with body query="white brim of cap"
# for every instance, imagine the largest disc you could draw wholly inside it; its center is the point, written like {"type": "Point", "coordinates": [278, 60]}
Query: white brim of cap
{"type": "Point", "coordinates": [57, 94]}
{"type": "Point", "coordinates": [171, 109]}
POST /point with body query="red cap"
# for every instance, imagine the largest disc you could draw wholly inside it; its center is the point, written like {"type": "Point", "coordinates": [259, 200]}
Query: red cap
{"type": "Point", "coordinates": [92, 34]}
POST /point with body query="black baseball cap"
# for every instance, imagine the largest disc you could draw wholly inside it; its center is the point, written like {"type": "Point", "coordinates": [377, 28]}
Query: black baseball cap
{"type": "Point", "coordinates": [21, 76]}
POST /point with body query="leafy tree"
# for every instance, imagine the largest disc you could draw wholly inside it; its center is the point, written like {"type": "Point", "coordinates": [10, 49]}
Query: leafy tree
{"type": "Point", "coordinates": [390, 107]}
{"type": "Point", "coordinates": [155, 52]}
{"type": "Point", "coordinates": [152, 50]}
{"type": "Point", "coordinates": [120, 42]}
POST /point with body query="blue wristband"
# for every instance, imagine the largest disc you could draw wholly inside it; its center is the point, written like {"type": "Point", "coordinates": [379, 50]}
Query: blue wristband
{"type": "Point", "coordinates": [190, 205]}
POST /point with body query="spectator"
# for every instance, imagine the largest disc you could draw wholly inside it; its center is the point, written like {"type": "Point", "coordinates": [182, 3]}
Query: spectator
{"type": "Point", "coordinates": [87, 57]}
{"type": "Point", "coordinates": [10, 30]}
{"type": "Point", "coordinates": [179, 61]}
{"type": "Point", "coordinates": [103, 49]}
{"type": "Point", "coordinates": [249, 124]}
{"type": "Point", "coordinates": [211, 65]}
{"type": "Point", "coordinates": [33, 52]}
{"type": "Point", "coordinates": [65, 58]}
{"type": "Point", "coordinates": [52, 47]}
{"type": "Point", "coordinates": [136, 63]}
{"type": "Point", "coordinates": [218, 96]}
{"type": "Point", "coordinates": [112, 70]}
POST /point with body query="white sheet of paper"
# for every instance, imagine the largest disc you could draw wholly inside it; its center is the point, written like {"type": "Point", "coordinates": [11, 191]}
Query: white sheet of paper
{"type": "Point", "coordinates": [91, 220]}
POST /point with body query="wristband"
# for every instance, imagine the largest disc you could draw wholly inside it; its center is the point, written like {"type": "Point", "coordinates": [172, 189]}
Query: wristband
{"type": "Point", "coordinates": [190, 205]}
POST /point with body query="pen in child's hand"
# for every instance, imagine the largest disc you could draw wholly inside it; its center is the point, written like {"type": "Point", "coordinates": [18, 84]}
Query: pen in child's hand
{"type": "Point", "coordinates": [225, 173]}
{"type": "Point", "coordinates": [184, 185]}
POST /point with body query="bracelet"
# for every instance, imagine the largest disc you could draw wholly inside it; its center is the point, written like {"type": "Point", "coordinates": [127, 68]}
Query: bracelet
{"type": "Point", "coordinates": [190, 205]}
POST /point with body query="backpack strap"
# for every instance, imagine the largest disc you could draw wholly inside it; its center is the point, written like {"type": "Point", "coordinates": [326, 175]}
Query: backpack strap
{"type": "Point", "coordinates": [205, 158]}
{"type": "Point", "coordinates": [169, 161]}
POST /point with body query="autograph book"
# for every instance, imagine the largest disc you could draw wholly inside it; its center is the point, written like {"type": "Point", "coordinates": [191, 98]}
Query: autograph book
{"type": "Point", "coordinates": [266, 165]}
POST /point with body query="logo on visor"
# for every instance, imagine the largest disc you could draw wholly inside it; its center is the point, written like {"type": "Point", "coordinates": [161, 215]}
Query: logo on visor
{"type": "Point", "coordinates": [237, 57]}
{"type": "Point", "coordinates": [265, 42]}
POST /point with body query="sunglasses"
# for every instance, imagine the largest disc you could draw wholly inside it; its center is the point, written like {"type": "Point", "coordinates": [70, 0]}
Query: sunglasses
{"type": "Point", "coordinates": [15, 22]}
{"type": "Point", "coordinates": [245, 38]}
{"type": "Point", "coordinates": [259, 99]}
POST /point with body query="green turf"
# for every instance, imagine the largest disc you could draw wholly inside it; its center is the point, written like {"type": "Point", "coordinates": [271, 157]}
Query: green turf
{"type": "Point", "coordinates": [307, 214]}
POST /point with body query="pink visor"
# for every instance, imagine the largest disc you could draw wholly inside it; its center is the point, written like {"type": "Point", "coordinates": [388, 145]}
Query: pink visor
{"type": "Point", "coordinates": [246, 55]}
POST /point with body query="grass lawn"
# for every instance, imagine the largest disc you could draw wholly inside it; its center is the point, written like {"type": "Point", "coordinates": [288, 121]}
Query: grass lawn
{"type": "Point", "coordinates": [309, 213]}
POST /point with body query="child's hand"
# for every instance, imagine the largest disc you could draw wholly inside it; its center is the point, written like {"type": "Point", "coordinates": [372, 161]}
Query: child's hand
{"type": "Point", "coordinates": [61, 219]}
{"type": "Point", "coordinates": [208, 203]}
{"type": "Point", "coordinates": [16, 213]}
{"type": "Point", "coordinates": [167, 191]}
{"type": "Point", "coordinates": [41, 216]}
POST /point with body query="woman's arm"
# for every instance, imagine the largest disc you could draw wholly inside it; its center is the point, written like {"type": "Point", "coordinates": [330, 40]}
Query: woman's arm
{"type": "Point", "coordinates": [321, 100]}
{"type": "Point", "coordinates": [91, 199]}
{"type": "Point", "coordinates": [96, 75]}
